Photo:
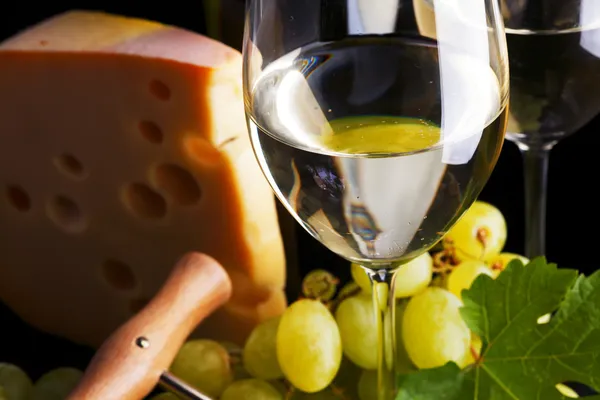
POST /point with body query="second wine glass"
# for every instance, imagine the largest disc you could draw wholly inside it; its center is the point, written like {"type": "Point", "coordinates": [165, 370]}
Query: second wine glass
{"type": "Point", "coordinates": [554, 53]}
{"type": "Point", "coordinates": [374, 137]}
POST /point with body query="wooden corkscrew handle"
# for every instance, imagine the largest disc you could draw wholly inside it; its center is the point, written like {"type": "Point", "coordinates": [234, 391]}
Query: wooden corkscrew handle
{"type": "Point", "coordinates": [131, 361]}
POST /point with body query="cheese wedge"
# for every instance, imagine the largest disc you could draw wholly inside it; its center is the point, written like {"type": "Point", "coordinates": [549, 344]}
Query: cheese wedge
{"type": "Point", "coordinates": [123, 145]}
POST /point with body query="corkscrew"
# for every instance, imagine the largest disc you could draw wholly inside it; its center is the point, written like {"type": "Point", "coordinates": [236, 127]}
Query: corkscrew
{"type": "Point", "coordinates": [136, 357]}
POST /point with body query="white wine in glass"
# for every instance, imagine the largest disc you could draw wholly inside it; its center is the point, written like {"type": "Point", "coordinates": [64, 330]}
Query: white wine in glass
{"type": "Point", "coordinates": [375, 138]}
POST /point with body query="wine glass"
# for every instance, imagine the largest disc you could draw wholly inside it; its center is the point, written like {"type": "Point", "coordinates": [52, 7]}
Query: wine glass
{"type": "Point", "coordinates": [375, 138]}
{"type": "Point", "coordinates": [554, 53]}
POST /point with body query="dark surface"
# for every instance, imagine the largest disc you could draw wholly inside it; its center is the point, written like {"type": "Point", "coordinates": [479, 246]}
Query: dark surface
{"type": "Point", "coordinates": [572, 205]}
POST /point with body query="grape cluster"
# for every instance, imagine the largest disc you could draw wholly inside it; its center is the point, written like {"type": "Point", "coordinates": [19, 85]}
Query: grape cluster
{"type": "Point", "coordinates": [56, 384]}
{"type": "Point", "coordinates": [324, 345]}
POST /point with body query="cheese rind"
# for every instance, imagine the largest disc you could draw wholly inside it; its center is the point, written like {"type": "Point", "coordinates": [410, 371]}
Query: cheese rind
{"type": "Point", "coordinates": [128, 139]}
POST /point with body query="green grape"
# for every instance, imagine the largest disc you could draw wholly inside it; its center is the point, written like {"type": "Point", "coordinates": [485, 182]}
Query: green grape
{"type": "Point", "coordinates": [412, 278]}
{"type": "Point", "coordinates": [260, 351]}
{"type": "Point", "coordinates": [360, 276]}
{"type": "Point", "coordinates": [166, 396]}
{"type": "Point", "coordinates": [499, 262]}
{"type": "Point", "coordinates": [56, 384]}
{"type": "Point", "coordinates": [205, 365]}
{"type": "Point", "coordinates": [309, 346]}
{"type": "Point", "coordinates": [433, 330]}
{"type": "Point", "coordinates": [403, 363]}
{"type": "Point", "coordinates": [463, 275]}
{"type": "Point", "coordinates": [357, 323]}
{"type": "Point", "coordinates": [251, 389]}
{"type": "Point", "coordinates": [319, 284]}
{"type": "Point", "coordinates": [367, 386]}
{"type": "Point", "coordinates": [479, 234]}
{"type": "Point", "coordinates": [15, 382]}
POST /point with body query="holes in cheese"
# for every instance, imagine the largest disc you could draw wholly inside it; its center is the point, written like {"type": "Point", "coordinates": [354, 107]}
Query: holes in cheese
{"type": "Point", "coordinates": [151, 132]}
{"type": "Point", "coordinates": [118, 274]}
{"type": "Point", "coordinates": [65, 213]}
{"type": "Point", "coordinates": [178, 183]}
{"type": "Point", "coordinates": [160, 90]}
{"type": "Point", "coordinates": [144, 202]}
{"type": "Point", "coordinates": [18, 198]}
{"type": "Point", "coordinates": [70, 166]}
{"type": "Point", "coordinates": [154, 115]}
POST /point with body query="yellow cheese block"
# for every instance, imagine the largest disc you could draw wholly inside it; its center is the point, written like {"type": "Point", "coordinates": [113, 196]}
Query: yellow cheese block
{"type": "Point", "coordinates": [123, 145]}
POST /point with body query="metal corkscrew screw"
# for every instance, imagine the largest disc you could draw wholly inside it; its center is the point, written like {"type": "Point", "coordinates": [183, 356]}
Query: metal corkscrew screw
{"type": "Point", "coordinates": [170, 382]}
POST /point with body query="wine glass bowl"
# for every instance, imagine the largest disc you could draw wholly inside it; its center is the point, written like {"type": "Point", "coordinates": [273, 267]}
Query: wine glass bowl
{"type": "Point", "coordinates": [554, 53]}
{"type": "Point", "coordinates": [374, 136]}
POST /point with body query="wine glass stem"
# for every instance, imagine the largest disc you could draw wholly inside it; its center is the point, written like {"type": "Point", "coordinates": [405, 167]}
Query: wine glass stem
{"type": "Point", "coordinates": [535, 159]}
{"type": "Point", "coordinates": [384, 302]}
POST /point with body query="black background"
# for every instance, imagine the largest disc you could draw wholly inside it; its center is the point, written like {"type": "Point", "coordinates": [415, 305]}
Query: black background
{"type": "Point", "coordinates": [572, 203]}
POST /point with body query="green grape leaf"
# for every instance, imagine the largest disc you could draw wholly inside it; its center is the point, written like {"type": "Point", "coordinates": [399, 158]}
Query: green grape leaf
{"type": "Point", "coordinates": [522, 359]}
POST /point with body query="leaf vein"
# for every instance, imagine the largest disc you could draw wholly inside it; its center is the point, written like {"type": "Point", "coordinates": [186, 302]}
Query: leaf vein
{"type": "Point", "coordinates": [499, 383]}
{"type": "Point", "coordinates": [541, 357]}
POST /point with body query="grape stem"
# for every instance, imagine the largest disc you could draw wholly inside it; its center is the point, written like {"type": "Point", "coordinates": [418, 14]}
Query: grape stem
{"type": "Point", "coordinates": [475, 354]}
{"type": "Point", "coordinates": [445, 261]}
{"type": "Point", "coordinates": [343, 296]}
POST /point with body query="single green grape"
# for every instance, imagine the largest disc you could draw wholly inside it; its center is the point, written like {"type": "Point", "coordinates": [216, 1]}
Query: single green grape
{"type": "Point", "coordinates": [56, 384]}
{"type": "Point", "coordinates": [260, 351]}
{"type": "Point", "coordinates": [501, 261]}
{"type": "Point", "coordinates": [357, 323]}
{"type": "Point", "coordinates": [251, 389]}
{"type": "Point", "coordinates": [319, 284]}
{"type": "Point", "coordinates": [479, 234]}
{"type": "Point", "coordinates": [16, 383]}
{"type": "Point", "coordinates": [412, 278]}
{"type": "Point", "coordinates": [166, 396]}
{"type": "Point", "coordinates": [309, 346]}
{"type": "Point", "coordinates": [463, 275]}
{"type": "Point", "coordinates": [433, 330]}
{"type": "Point", "coordinates": [360, 276]}
{"type": "Point", "coordinates": [367, 386]}
{"type": "Point", "coordinates": [205, 365]}
{"type": "Point", "coordinates": [403, 363]}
